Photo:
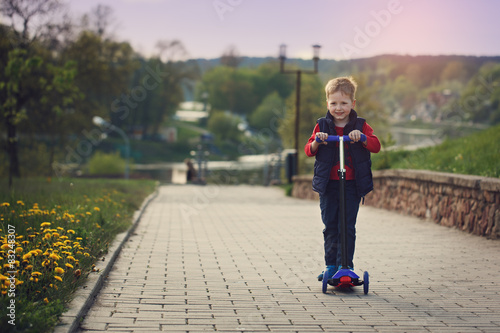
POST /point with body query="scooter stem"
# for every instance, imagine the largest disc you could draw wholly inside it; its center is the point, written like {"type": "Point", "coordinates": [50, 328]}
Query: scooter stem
{"type": "Point", "coordinates": [342, 210]}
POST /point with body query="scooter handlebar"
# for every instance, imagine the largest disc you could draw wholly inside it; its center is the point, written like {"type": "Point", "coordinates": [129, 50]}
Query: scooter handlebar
{"type": "Point", "coordinates": [335, 138]}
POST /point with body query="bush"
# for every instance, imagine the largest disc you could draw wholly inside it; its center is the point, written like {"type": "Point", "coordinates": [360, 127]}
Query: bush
{"type": "Point", "coordinates": [106, 164]}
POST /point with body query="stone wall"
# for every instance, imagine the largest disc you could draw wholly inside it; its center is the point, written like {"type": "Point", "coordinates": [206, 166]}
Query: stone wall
{"type": "Point", "coordinates": [469, 203]}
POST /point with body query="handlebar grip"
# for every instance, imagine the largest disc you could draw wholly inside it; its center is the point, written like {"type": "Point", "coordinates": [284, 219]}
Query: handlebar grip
{"type": "Point", "coordinates": [335, 138]}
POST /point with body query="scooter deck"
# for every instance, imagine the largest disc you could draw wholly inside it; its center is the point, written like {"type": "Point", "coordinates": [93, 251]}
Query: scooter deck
{"type": "Point", "coordinates": [345, 278]}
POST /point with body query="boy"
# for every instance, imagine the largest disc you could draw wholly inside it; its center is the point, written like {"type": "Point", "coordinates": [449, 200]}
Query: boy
{"type": "Point", "coordinates": [341, 119]}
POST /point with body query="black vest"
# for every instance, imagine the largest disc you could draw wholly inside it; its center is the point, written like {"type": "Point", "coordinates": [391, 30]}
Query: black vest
{"type": "Point", "coordinates": [328, 156]}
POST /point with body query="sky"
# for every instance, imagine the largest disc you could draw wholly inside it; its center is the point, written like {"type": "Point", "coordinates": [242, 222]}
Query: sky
{"type": "Point", "coordinates": [344, 29]}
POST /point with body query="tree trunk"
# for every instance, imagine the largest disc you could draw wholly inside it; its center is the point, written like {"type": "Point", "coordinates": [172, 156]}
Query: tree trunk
{"type": "Point", "coordinates": [12, 152]}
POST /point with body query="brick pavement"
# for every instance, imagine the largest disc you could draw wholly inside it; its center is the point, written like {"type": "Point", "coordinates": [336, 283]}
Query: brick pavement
{"type": "Point", "coordinates": [245, 259]}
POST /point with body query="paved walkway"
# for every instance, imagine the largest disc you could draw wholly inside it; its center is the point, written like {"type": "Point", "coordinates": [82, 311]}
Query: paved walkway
{"type": "Point", "coordinates": [245, 259]}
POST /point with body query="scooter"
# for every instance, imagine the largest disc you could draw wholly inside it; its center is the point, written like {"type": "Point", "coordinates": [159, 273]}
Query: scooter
{"type": "Point", "coordinates": [344, 277]}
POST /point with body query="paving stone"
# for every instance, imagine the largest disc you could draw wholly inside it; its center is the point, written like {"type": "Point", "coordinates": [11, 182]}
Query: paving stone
{"type": "Point", "coordinates": [245, 259]}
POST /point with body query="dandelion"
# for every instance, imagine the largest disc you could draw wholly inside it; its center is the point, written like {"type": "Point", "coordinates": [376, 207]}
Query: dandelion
{"type": "Point", "coordinates": [70, 231]}
{"type": "Point", "coordinates": [5, 247]}
{"type": "Point", "coordinates": [58, 278]}
{"type": "Point", "coordinates": [5, 204]}
{"type": "Point", "coordinates": [69, 266]}
{"type": "Point", "coordinates": [36, 274]}
{"type": "Point", "coordinates": [88, 213]}
{"type": "Point", "coordinates": [45, 224]}
{"type": "Point", "coordinates": [97, 209]}
{"type": "Point", "coordinates": [59, 270]}
{"type": "Point", "coordinates": [27, 256]}
{"type": "Point", "coordinates": [46, 300]}
{"type": "Point", "coordinates": [19, 250]}
{"type": "Point", "coordinates": [54, 256]}
{"type": "Point", "coordinates": [19, 202]}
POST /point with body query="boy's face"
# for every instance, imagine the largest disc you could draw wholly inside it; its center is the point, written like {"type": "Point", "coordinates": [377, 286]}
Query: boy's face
{"type": "Point", "coordinates": [339, 106]}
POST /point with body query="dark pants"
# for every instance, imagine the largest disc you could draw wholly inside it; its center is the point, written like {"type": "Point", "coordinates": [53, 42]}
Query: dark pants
{"type": "Point", "coordinates": [330, 213]}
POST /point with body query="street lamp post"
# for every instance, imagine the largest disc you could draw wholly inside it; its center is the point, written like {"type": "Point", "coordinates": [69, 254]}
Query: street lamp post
{"type": "Point", "coordinates": [98, 121]}
{"type": "Point", "coordinates": [298, 73]}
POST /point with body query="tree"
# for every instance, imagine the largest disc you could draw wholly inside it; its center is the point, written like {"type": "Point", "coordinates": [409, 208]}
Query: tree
{"type": "Point", "coordinates": [268, 114]}
{"type": "Point", "coordinates": [50, 107]}
{"type": "Point", "coordinates": [17, 74]}
{"type": "Point", "coordinates": [231, 58]}
{"type": "Point", "coordinates": [104, 75]}
{"type": "Point", "coordinates": [20, 64]}
{"type": "Point", "coordinates": [224, 126]}
{"type": "Point", "coordinates": [480, 101]}
{"type": "Point", "coordinates": [28, 12]}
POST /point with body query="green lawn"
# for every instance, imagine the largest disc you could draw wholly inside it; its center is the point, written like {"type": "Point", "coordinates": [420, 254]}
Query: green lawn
{"type": "Point", "coordinates": [476, 154]}
{"type": "Point", "coordinates": [51, 234]}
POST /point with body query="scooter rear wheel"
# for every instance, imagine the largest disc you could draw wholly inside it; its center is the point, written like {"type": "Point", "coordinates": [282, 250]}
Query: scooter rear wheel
{"type": "Point", "coordinates": [366, 282]}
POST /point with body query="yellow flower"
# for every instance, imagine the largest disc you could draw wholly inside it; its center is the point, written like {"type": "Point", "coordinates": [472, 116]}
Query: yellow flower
{"type": "Point", "coordinates": [88, 213]}
{"type": "Point", "coordinates": [19, 202]}
{"type": "Point", "coordinates": [97, 209]}
{"type": "Point", "coordinates": [19, 250]}
{"type": "Point", "coordinates": [27, 256]}
{"type": "Point", "coordinates": [86, 254]}
{"type": "Point", "coordinates": [59, 270]}
{"type": "Point", "coordinates": [69, 265]}
{"type": "Point", "coordinates": [5, 204]}
{"type": "Point", "coordinates": [70, 231]}
{"type": "Point", "coordinates": [36, 274]}
{"type": "Point", "coordinates": [5, 247]}
{"type": "Point", "coordinates": [70, 258]}
{"type": "Point", "coordinates": [45, 224]}
{"type": "Point", "coordinates": [58, 278]}
{"type": "Point", "coordinates": [29, 267]}
{"type": "Point", "coordinates": [54, 256]}
{"type": "Point", "coordinates": [55, 234]}
{"type": "Point", "coordinates": [46, 300]}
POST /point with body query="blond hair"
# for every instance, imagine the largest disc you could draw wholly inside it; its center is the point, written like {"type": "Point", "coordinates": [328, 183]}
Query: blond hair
{"type": "Point", "coordinates": [345, 85]}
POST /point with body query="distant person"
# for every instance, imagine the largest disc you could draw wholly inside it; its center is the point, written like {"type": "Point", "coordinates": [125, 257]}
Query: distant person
{"type": "Point", "coordinates": [191, 171]}
{"type": "Point", "coordinates": [341, 119]}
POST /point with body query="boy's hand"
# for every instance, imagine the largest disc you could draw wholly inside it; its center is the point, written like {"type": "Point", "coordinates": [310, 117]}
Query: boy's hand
{"type": "Point", "coordinates": [355, 136]}
{"type": "Point", "coordinates": [315, 144]}
{"type": "Point", "coordinates": [322, 136]}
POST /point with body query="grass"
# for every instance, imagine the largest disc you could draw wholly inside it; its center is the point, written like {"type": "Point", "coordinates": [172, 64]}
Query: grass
{"type": "Point", "coordinates": [477, 154]}
{"type": "Point", "coordinates": [51, 234]}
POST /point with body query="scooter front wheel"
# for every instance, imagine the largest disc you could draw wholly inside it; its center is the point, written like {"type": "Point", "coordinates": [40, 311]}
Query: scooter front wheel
{"type": "Point", "coordinates": [325, 281]}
